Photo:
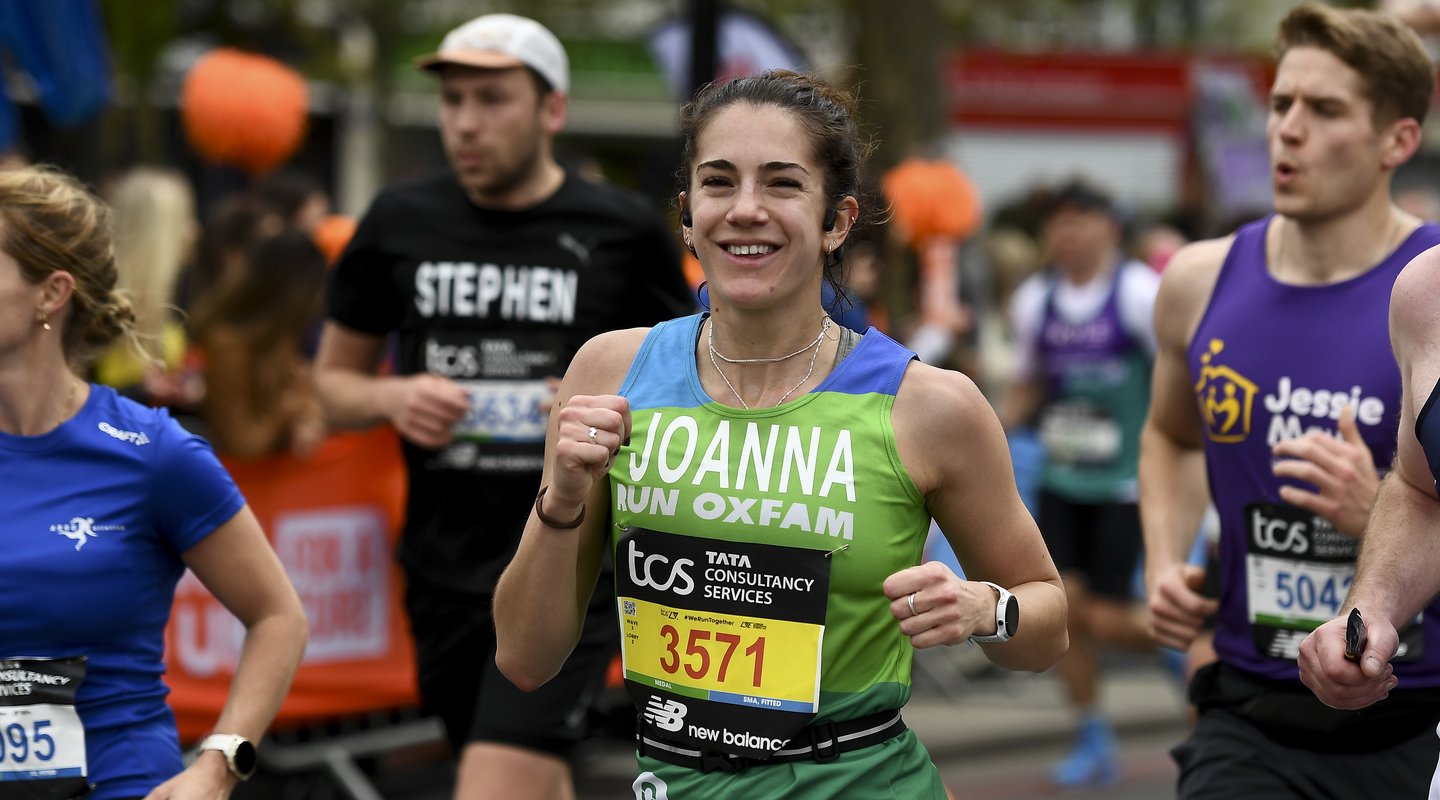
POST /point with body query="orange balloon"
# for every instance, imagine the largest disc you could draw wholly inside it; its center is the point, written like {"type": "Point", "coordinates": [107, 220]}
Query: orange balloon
{"type": "Point", "coordinates": [930, 199]}
{"type": "Point", "coordinates": [244, 110]}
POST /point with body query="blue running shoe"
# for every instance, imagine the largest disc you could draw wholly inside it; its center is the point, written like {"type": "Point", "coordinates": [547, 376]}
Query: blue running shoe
{"type": "Point", "coordinates": [1175, 665]}
{"type": "Point", "coordinates": [1093, 762]}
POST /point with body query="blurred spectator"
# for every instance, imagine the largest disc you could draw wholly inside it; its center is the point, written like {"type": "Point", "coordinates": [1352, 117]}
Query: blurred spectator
{"type": "Point", "coordinates": [1011, 255]}
{"type": "Point", "coordinates": [237, 222]}
{"type": "Point", "coordinates": [1083, 376]}
{"type": "Point", "coordinates": [155, 235]}
{"type": "Point", "coordinates": [1156, 242]}
{"type": "Point", "coordinates": [259, 399]}
{"type": "Point", "coordinates": [299, 200]}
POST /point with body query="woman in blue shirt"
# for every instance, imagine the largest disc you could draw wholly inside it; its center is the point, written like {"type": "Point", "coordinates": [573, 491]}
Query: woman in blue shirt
{"type": "Point", "coordinates": [104, 505]}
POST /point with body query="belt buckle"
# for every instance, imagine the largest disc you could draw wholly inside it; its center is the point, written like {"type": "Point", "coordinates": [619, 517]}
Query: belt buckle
{"type": "Point", "coordinates": [821, 732]}
{"type": "Point", "coordinates": [711, 761]}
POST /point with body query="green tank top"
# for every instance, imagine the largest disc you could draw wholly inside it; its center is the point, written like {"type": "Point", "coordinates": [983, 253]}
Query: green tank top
{"type": "Point", "coordinates": [750, 550]}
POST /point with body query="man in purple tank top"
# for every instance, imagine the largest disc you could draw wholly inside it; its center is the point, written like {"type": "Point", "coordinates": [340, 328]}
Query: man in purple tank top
{"type": "Point", "coordinates": [1274, 375]}
{"type": "Point", "coordinates": [1399, 568]}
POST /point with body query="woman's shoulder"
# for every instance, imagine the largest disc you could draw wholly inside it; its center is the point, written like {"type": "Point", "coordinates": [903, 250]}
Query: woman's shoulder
{"type": "Point", "coordinates": [109, 407]}
{"type": "Point", "coordinates": [930, 392]}
{"type": "Point", "coordinates": [118, 426]}
{"type": "Point", "coordinates": [940, 417]}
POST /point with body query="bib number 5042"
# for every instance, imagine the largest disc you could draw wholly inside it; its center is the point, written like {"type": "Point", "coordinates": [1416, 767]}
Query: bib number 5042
{"type": "Point", "coordinates": [698, 661]}
{"type": "Point", "coordinates": [1301, 591]}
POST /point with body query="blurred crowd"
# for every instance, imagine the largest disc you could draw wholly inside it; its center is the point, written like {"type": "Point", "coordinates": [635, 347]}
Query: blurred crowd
{"type": "Point", "coordinates": [229, 304]}
{"type": "Point", "coordinates": [229, 307]}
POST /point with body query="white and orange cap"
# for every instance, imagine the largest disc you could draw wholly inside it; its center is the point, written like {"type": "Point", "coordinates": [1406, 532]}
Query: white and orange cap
{"type": "Point", "coordinates": [499, 41]}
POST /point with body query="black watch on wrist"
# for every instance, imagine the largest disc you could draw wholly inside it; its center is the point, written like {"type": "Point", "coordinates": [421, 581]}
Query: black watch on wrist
{"type": "Point", "coordinates": [239, 753]}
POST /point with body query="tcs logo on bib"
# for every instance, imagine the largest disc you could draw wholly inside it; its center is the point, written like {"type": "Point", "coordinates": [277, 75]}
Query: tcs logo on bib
{"type": "Point", "coordinates": [650, 571]}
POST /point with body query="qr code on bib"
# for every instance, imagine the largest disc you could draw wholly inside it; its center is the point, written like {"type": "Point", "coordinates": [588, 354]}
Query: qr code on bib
{"type": "Point", "coordinates": [629, 607]}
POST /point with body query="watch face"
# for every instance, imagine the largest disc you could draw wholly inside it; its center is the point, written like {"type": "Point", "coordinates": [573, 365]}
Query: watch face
{"type": "Point", "coordinates": [1012, 616]}
{"type": "Point", "coordinates": [245, 760]}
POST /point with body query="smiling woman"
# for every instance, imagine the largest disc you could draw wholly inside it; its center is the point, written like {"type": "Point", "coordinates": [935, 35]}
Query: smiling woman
{"type": "Point", "coordinates": [807, 460]}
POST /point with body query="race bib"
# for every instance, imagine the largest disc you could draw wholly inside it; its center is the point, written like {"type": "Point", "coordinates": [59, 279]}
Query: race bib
{"type": "Point", "coordinates": [42, 743]}
{"type": "Point", "coordinates": [1298, 569]}
{"type": "Point", "coordinates": [721, 641]}
{"type": "Point", "coordinates": [505, 411]}
{"type": "Point", "coordinates": [1079, 433]}
{"type": "Point", "coordinates": [503, 375]}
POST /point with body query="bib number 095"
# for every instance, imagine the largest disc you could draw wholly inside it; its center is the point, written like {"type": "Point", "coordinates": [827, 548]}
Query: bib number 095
{"type": "Point", "coordinates": [17, 744]}
{"type": "Point", "coordinates": [697, 652]}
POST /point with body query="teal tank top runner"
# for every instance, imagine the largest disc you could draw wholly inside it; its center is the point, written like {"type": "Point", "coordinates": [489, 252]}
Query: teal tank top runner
{"type": "Point", "coordinates": [1098, 382]}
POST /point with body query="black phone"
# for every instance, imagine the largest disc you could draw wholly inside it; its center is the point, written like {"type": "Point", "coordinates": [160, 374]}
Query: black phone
{"type": "Point", "coordinates": [1355, 639]}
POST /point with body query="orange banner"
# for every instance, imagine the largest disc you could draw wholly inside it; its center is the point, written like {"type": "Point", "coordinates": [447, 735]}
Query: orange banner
{"type": "Point", "coordinates": [334, 519]}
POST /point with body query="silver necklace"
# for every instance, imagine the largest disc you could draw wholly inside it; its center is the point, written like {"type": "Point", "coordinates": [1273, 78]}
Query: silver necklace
{"type": "Point", "coordinates": [825, 324]}
{"type": "Point", "coordinates": [710, 345]}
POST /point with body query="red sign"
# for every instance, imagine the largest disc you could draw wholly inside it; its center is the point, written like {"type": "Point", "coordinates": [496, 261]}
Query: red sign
{"type": "Point", "coordinates": [1135, 92]}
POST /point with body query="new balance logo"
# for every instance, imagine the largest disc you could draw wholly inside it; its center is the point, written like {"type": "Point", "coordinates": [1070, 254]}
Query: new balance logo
{"type": "Point", "coordinates": [667, 715]}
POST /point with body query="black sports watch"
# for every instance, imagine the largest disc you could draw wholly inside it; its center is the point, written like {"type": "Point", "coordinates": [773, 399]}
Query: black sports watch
{"type": "Point", "coordinates": [1007, 616]}
{"type": "Point", "coordinates": [239, 753]}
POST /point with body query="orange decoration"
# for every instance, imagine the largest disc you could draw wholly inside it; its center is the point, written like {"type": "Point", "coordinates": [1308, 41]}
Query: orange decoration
{"type": "Point", "coordinates": [331, 236]}
{"type": "Point", "coordinates": [930, 199]}
{"type": "Point", "coordinates": [334, 519]}
{"type": "Point", "coordinates": [244, 110]}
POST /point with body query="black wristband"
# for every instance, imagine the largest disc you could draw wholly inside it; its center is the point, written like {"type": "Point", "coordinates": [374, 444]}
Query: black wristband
{"type": "Point", "coordinates": [551, 521]}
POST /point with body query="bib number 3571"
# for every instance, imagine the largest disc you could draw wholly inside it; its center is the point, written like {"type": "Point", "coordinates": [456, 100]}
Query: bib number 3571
{"type": "Point", "coordinates": [697, 663]}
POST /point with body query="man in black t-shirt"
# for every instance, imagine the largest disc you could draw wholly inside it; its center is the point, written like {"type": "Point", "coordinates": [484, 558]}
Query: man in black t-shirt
{"type": "Point", "coordinates": [491, 276]}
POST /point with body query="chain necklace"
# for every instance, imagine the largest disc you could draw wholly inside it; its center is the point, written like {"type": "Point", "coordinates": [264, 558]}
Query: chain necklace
{"type": "Point", "coordinates": [825, 324]}
{"type": "Point", "coordinates": [65, 408]}
{"type": "Point", "coordinates": [714, 354]}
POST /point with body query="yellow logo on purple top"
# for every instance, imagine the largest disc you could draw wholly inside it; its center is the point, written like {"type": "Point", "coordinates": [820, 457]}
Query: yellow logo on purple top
{"type": "Point", "coordinates": [1226, 398]}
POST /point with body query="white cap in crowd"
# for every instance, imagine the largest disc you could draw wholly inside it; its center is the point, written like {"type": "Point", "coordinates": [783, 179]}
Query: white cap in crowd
{"type": "Point", "coordinates": [499, 41]}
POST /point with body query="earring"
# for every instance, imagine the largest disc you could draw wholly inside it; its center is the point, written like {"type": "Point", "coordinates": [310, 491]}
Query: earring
{"type": "Point", "coordinates": [45, 321]}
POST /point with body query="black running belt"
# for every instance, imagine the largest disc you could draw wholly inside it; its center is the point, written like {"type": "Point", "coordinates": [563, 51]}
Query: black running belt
{"type": "Point", "coordinates": [822, 743]}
